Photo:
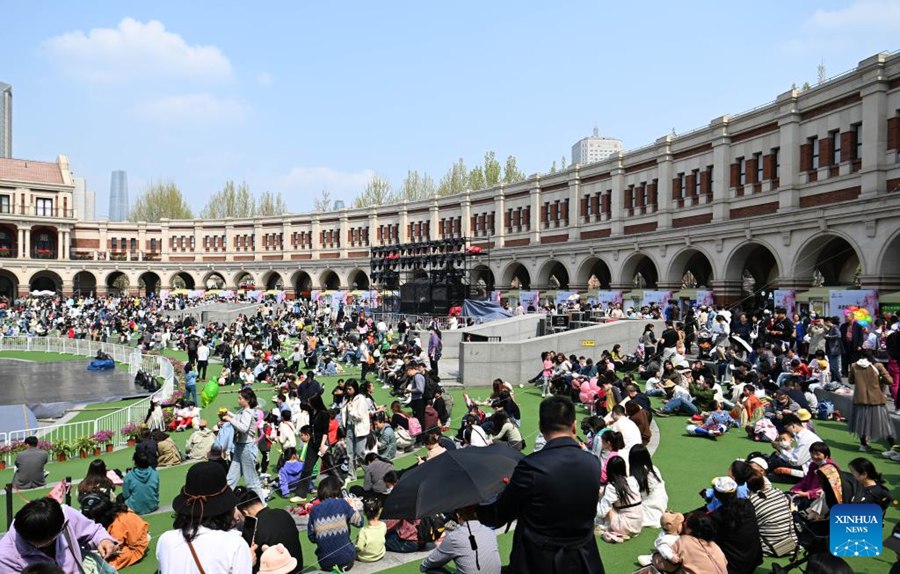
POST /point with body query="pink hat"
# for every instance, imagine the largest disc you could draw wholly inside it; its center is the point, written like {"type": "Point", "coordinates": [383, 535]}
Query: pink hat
{"type": "Point", "coordinates": [276, 560]}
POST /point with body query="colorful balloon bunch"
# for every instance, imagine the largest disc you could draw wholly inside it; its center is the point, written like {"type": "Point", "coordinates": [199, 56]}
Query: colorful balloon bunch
{"type": "Point", "coordinates": [589, 391]}
{"type": "Point", "coordinates": [859, 314]}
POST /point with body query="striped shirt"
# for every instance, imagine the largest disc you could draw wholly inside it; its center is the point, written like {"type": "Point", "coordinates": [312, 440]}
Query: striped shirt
{"type": "Point", "coordinates": [776, 523]}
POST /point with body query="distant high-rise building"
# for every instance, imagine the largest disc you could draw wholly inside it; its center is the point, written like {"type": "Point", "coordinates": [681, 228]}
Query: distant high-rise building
{"type": "Point", "coordinates": [595, 148]}
{"type": "Point", "coordinates": [5, 120]}
{"type": "Point", "coordinates": [83, 200]}
{"type": "Point", "coordinates": [118, 196]}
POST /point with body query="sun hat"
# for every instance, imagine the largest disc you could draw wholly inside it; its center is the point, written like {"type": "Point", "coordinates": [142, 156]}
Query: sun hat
{"type": "Point", "coordinates": [205, 492]}
{"type": "Point", "coordinates": [760, 462]}
{"type": "Point", "coordinates": [804, 415]}
{"type": "Point", "coordinates": [725, 484]}
{"type": "Point", "coordinates": [276, 560]}
{"type": "Point", "coordinates": [668, 384]}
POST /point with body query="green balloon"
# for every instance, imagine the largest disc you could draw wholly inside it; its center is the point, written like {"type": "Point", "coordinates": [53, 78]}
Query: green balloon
{"type": "Point", "coordinates": [209, 394]}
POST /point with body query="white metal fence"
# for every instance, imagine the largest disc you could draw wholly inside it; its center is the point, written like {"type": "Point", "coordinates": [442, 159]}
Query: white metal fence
{"type": "Point", "coordinates": [155, 365]}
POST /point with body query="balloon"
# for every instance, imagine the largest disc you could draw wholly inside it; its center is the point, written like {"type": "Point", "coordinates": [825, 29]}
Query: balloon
{"type": "Point", "coordinates": [209, 393]}
{"type": "Point", "coordinates": [585, 387]}
{"type": "Point", "coordinates": [585, 397]}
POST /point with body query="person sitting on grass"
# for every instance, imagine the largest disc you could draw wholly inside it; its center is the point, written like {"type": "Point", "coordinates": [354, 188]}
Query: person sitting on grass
{"type": "Point", "coordinates": [773, 514]}
{"type": "Point", "coordinates": [167, 451]}
{"type": "Point", "coordinates": [619, 513]}
{"type": "Point", "coordinates": [472, 547]}
{"type": "Point", "coordinates": [809, 489]}
{"type": "Point", "coordinates": [96, 481]}
{"type": "Point", "coordinates": [140, 489]}
{"type": "Point", "coordinates": [737, 530]}
{"type": "Point", "coordinates": [370, 542]}
{"type": "Point", "coordinates": [30, 466]}
{"type": "Point", "coordinates": [130, 531]}
{"type": "Point", "coordinates": [792, 463]}
{"type": "Point", "coordinates": [715, 424]}
{"type": "Point", "coordinates": [696, 549]}
{"type": "Point", "coordinates": [329, 526]}
{"type": "Point", "coordinates": [201, 441]}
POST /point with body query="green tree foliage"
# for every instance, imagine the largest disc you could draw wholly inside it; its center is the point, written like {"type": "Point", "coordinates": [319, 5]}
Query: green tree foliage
{"type": "Point", "coordinates": [553, 168]}
{"type": "Point", "coordinates": [455, 180]}
{"type": "Point", "coordinates": [476, 178]}
{"type": "Point", "coordinates": [416, 186]}
{"type": "Point", "coordinates": [511, 173]}
{"type": "Point", "coordinates": [270, 204]}
{"type": "Point", "coordinates": [562, 162]}
{"type": "Point", "coordinates": [160, 201]}
{"type": "Point", "coordinates": [377, 192]}
{"type": "Point", "coordinates": [491, 169]}
{"type": "Point", "coordinates": [230, 201]}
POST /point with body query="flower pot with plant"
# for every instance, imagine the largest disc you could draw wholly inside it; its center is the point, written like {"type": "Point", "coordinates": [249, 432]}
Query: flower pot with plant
{"type": "Point", "coordinates": [85, 445]}
{"type": "Point", "coordinates": [64, 449]}
{"type": "Point", "coordinates": [103, 437]}
{"type": "Point", "coordinates": [131, 432]}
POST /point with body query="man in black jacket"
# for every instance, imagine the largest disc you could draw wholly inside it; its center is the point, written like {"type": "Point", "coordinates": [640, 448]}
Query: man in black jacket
{"type": "Point", "coordinates": [553, 494]}
{"type": "Point", "coordinates": [273, 526]}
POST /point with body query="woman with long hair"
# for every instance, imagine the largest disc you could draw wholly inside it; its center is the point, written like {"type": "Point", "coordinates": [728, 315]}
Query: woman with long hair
{"type": "Point", "coordinates": [651, 486]}
{"type": "Point", "coordinates": [611, 443]}
{"type": "Point", "coordinates": [130, 531]}
{"type": "Point", "coordinates": [357, 425]}
{"type": "Point", "coordinates": [873, 483]}
{"type": "Point", "coordinates": [736, 525]}
{"type": "Point", "coordinates": [96, 481]}
{"type": "Point", "coordinates": [318, 443]}
{"type": "Point", "coordinates": [619, 513]}
{"type": "Point", "coordinates": [246, 431]}
{"type": "Point", "coordinates": [696, 547]}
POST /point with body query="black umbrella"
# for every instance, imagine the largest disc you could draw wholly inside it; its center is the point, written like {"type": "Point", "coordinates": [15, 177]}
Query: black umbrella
{"type": "Point", "coordinates": [455, 479]}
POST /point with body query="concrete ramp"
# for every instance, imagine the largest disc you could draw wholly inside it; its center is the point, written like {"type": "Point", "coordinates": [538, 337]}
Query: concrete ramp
{"type": "Point", "coordinates": [517, 361]}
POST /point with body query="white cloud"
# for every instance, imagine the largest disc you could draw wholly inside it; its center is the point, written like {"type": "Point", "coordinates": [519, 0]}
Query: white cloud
{"type": "Point", "coordinates": [303, 184]}
{"type": "Point", "coordinates": [862, 28]}
{"type": "Point", "coordinates": [264, 79]}
{"type": "Point", "coordinates": [200, 108]}
{"type": "Point", "coordinates": [135, 51]}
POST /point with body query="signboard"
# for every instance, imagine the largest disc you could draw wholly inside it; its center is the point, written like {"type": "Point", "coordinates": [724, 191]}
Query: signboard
{"type": "Point", "coordinates": [704, 297]}
{"type": "Point", "coordinates": [562, 297]}
{"type": "Point", "coordinates": [785, 299]}
{"type": "Point", "coordinates": [839, 300]}
{"type": "Point", "coordinates": [529, 299]}
{"type": "Point", "coordinates": [609, 298]}
{"type": "Point", "coordinates": [588, 342]}
{"type": "Point", "coordinates": [559, 321]}
{"type": "Point", "coordinates": [661, 298]}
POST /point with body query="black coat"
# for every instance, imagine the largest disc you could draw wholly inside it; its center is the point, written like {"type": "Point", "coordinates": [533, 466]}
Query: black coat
{"type": "Point", "coordinates": [553, 494]}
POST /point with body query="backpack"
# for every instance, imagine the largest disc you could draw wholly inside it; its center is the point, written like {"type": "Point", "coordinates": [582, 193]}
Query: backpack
{"type": "Point", "coordinates": [430, 528]}
{"type": "Point", "coordinates": [415, 426]}
{"type": "Point", "coordinates": [431, 387]}
{"type": "Point", "coordinates": [825, 410]}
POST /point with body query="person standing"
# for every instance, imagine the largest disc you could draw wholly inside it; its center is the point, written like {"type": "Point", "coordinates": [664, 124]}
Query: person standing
{"type": "Point", "coordinates": [190, 383]}
{"type": "Point", "coordinates": [852, 338]}
{"type": "Point", "coordinates": [355, 417]}
{"type": "Point", "coordinates": [319, 420]}
{"type": "Point", "coordinates": [892, 345]}
{"type": "Point", "coordinates": [30, 466]}
{"type": "Point", "coordinates": [243, 461]}
{"type": "Point", "coordinates": [435, 348]}
{"type": "Point", "coordinates": [869, 419]}
{"type": "Point", "coordinates": [417, 391]}
{"type": "Point", "coordinates": [202, 359]}
{"type": "Point", "coordinates": [555, 530]}
{"type": "Point", "coordinates": [834, 348]}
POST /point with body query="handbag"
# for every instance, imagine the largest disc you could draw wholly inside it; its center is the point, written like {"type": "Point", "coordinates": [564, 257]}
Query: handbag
{"type": "Point", "coordinates": [91, 562]}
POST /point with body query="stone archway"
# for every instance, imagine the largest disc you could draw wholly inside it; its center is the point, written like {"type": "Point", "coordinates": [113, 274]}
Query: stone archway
{"type": "Point", "coordinates": [182, 280]}
{"type": "Point", "coordinates": [690, 261]}
{"type": "Point", "coordinates": [9, 284]}
{"type": "Point", "coordinates": [45, 281]}
{"type": "Point", "coordinates": [755, 268]}
{"type": "Point", "coordinates": [273, 281]}
{"type": "Point", "coordinates": [84, 283]}
{"type": "Point", "coordinates": [302, 284]}
{"type": "Point", "coordinates": [554, 275]}
{"type": "Point", "coordinates": [482, 279]}
{"type": "Point", "coordinates": [117, 284]}
{"type": "Point", "coordinates": [516, 276]}
{"type": "Point", "coordinates": [640, 272]}
{"type": "Point", "coordinates": [329, 280]}
{"type": "Point", "coordinates": [9, 242]}
{"type": "Point", "coordinates": [358, 279]}
{"type": "Point", "coordinates": [245, 280]}
{"type": "Point", "coordinates": [827, 260]}
{"type": "Point", "coordinates": [148, 282]}
{"type": "Point", "coordinates": [595, 268]}
{"type": "Point", "coordinates": [214, 280]}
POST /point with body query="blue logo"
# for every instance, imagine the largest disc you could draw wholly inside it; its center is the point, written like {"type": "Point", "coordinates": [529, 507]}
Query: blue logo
{"type": "Point", "coordinates": [855, 530]}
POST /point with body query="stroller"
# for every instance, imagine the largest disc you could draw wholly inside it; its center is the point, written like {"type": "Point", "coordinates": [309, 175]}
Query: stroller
{"type": "Point", "coordinates": [813, 529]}
{"type": "Point", "coordinates": [704, 345]}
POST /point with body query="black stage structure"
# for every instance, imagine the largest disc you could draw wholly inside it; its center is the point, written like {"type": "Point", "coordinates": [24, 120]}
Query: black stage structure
{"type": "Point", "coordinates": [432, 276]}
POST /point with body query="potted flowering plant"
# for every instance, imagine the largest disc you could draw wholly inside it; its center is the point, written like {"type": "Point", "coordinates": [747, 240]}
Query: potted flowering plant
{"type": "Point", "coordinates": [5, 451]}
{"type": "Point", "coordinates": [64, 449]}
{"type": "Point", "coordinates": [131, 431]}
{"type": "Point", "coordinates": [85, 445]}
{"type": "Point", "coordinates": [103, 437]}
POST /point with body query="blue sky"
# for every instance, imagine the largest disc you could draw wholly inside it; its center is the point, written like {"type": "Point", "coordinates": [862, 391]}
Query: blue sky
{"type": "Point", "coordinates": [297, 97]}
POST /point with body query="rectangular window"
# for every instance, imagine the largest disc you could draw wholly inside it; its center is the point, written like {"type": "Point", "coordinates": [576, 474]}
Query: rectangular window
{"type": "Point", "coordinates": [696, 182]}
{"type": "Point", "coordinates": [192, 241]}
{"type": "Point", "coordinates": [835, 147]}
{"type": "Point", "coordinates": [5, 204]}
{"type": "Point", "coordinates": [709, 170]}
{"type": "Point", "coordinates": [44, 207]}
{"type": "Point", "coordinates": [113, 244]}
{"type": "Point", "coordinates": [134, 244]}
{"type": "Point", "coordinates": [742, 171]}
{"type": "Point", "coordinates": [857, 131]}
{"type": "Point", "coordinates": [776, 159]}
{"type": "Point", "coordinates": [814, 144]}
{"type": "Point", "coordinates": [152, 244]}
{"type": "Point", "coordinates": [757, 157]}
{"type": "Point", "coordinates": [682, 183]}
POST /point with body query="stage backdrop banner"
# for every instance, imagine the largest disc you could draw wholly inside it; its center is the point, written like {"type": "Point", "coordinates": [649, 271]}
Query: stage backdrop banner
{"type": "Point", "coordinates": [562, 297]}
{"type": "Point", "coordinates": [839, 300]}
{"type": "Point", "coordinates": [338, 298]}
{"type": "Point", "coordinates": [495, 297]}
{"type": "Point", "coordinates": [705, 298]}
{"type": "Point", "coordinates": [786, 299]}
{"type": "Point", "coordinates": [661, 298]}
{"type": "Point", "coordinates": [529, 299]}
{"type": "Point", "coordinates": [608, 298]}
{"type": "Point", "coordinates": [163, 295]}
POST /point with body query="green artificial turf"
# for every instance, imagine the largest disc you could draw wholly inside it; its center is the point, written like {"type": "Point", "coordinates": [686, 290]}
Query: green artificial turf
{"type": "Point", "coordinates": [686, 463]}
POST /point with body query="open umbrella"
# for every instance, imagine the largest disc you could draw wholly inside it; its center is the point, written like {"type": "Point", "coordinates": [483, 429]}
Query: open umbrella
{"type": "Point", "coordinates": [742, 344]}
{"type": "Point", "coordinates": [456, 479]}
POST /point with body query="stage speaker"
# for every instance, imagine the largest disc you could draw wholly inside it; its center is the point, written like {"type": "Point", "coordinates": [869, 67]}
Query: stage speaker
{"type": "Point", "coordinates": [415, 297]}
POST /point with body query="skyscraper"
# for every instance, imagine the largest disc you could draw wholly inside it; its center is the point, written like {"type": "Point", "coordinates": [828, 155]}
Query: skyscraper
{"type": "Point", "coordinates": [595, 148]}
{"type": "Point", "coordinates": [118, 196]}
{"type": "Point", "coordinates": [83, 200]}
{"type": "Point", "coordinates": [5, 120]}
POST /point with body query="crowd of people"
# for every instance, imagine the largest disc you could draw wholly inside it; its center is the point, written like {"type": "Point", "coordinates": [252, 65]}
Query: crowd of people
{"type": "Point", "coordinates": [760, 375]}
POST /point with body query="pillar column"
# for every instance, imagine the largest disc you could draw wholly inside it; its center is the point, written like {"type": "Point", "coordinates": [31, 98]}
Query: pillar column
{"type": "Point", "coordinates": [21, 244]}
{"type": "Point", "coordinates": [574, 215]}
{"type": "Point", "coordinates": [343, 230]}
{"type": "Point", "coordinates": [664, 182]}
{"type": "Point", "coordinates": [402, 235]}
{"type": "Point", "coordinates": [616, 202]}
{"type": "Point", "coordinates": [27, 242]}
{"type": "Point", "coordinates": [789, 152]}
{"type": "Point", "coordinates": [465, 205]}
{"type": "Point", "coordinates": [721, 143]}
{"type": "Point", "coordinates": [873, 178]}
{"type": "Point", "coordinates": [316, 244]}
{"type": "Point", "coordinates": [499, 218]}
{"type": "Point", "coordinates": [534, 196]}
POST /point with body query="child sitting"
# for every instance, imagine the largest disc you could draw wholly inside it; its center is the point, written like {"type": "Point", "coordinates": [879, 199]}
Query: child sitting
{"type": "Point", "coordinates": [670, 523]}
{"type": "Point", "coordinates": [370, 543]}
{"type": "Point", "coordinates": [715, 424]}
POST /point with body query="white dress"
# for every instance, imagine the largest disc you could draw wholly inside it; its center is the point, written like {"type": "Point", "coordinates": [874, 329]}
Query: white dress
{"type": "Point", "coordinates": [656, 502]}
{"type": "Point", "coordinates": [626, 515]}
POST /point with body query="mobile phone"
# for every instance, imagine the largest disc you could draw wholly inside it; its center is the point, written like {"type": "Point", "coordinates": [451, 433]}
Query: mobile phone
{"type": "Point", "coordinates": [249, 532]}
